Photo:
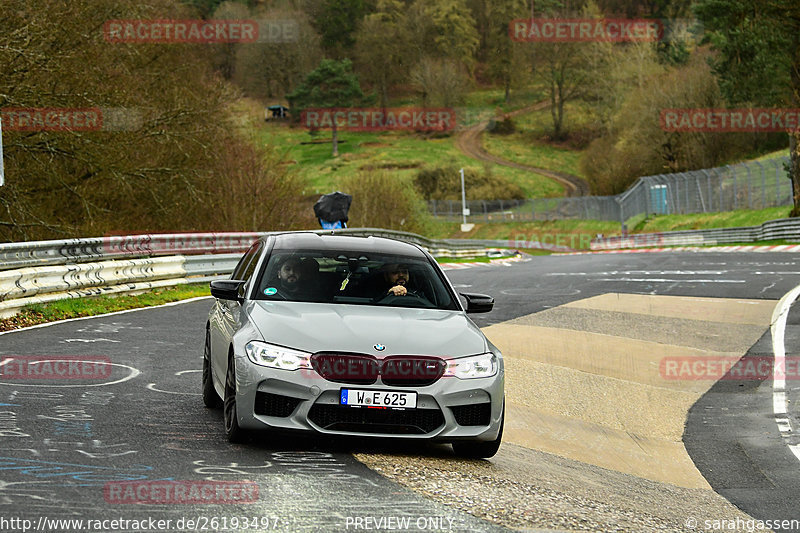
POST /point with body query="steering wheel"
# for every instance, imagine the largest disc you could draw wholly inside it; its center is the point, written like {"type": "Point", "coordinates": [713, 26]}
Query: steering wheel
{"type": "Point", "coordinates": [417, 299]}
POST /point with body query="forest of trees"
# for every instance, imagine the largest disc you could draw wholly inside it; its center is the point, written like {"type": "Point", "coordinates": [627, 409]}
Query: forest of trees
{"type": "Point", "coordinates": [183, 165]}
{"type": "Point", "coordinates": [439, 50]}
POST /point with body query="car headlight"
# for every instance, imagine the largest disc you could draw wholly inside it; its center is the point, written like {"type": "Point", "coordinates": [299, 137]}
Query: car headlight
{"type": "Point", "coordinates": [264, 354]}
{"type": "Point", "coordinates": [474, 366]}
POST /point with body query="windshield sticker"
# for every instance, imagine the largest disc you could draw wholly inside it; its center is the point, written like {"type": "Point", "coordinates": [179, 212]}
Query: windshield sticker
{"type": "Point", "coordinates": [269, 291]}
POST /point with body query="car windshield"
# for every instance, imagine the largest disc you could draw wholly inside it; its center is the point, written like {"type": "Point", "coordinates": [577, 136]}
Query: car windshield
{"type": "Point", "coordinates": [359, 278]}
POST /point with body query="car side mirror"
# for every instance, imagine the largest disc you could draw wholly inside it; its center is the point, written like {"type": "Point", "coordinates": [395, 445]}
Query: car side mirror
{"type": "Point", "coordinates": [478, 303]}
{"type": "Point", "coordinates": [227, 289]}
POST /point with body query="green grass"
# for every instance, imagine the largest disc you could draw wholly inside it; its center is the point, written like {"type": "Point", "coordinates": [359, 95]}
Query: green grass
{"type": "Point", "coordinates": [401, 153]}
{"type": "Point", "coordinates": [578, 232]}
{"type": "Point", "coordinates": [572, 233]}
{"type": "Point", "coordinates": [774, 155]}
{"type": "Point", "coordinates": [729, 219]}
{"type": "Point", "coordinates": [477, 259]}
{"type": "Point", "coordinates": [528, 145]}
{"type": "Point", "coordinates": [493, 99]}
{"type": "Point", "coordinates": [520, 147]}
{"type": "Point", "coordinates": [90, 306]}
{"type": "Point", "coordinates": [577, 115]}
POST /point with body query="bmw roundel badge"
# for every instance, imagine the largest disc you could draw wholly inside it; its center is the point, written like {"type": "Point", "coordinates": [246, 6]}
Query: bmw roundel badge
{"type": "Point", "coordinates": [379, 347]}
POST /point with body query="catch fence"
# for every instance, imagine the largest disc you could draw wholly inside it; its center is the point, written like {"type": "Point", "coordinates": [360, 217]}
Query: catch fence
{"type": "Point", "coordinates": [751, 185]}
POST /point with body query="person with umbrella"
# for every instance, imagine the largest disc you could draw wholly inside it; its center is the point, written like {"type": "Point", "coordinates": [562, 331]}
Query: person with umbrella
{"type": "Point", "coordinates": [331, 210]}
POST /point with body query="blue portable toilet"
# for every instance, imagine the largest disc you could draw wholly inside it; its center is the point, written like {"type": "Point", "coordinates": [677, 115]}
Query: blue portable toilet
{"type": "Point", "coordinates": [658, 200]}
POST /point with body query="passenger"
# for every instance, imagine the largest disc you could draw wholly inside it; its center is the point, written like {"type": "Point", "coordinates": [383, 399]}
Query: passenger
{"type": "Point", "coordinates": [295, 279]}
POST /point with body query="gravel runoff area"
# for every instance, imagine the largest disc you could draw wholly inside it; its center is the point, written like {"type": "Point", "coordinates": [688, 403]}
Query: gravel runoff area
{"type": "Point", "coordinates": [530, 490]}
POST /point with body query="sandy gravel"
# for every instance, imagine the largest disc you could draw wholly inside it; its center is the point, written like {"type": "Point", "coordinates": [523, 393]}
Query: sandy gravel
{"type": "Point", "coordinates": [530, 490]}
{"type": "Point", "coordinates": [593, 438]}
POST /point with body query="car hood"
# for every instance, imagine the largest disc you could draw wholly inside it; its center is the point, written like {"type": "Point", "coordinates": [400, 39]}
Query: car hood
{"type": "Point", "coordinates": [314, 327]}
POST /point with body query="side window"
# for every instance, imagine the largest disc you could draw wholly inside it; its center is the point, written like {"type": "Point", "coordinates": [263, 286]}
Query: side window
{"type": "Point", "coordinates": [251, 266]}
{"type": "Point", "coordinates": [247, 259]}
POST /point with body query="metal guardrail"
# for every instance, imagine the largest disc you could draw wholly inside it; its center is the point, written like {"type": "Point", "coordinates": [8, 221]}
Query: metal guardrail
{"type": "Point", "coordinates": [59, 252]}
{"type": "Point", "coordinates": [782, 229]}
{"type": "Point", "coordinates": [46, 271]}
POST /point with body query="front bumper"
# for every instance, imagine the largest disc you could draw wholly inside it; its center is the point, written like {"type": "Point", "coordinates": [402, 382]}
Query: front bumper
{"type": "Point", "coordinates": [447, 410]}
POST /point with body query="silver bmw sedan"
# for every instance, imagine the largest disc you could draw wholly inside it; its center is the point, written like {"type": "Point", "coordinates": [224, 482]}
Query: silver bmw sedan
{"type": "Point", "coordinates": [348, 335]}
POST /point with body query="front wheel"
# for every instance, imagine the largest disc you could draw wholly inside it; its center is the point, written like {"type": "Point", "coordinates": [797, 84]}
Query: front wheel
{"type": "Point", "coordinates": [480, 449]}
{"type": "Point", "coordinates": [232, 429]}
{"type": "Point", "coordinates": [210, 397]}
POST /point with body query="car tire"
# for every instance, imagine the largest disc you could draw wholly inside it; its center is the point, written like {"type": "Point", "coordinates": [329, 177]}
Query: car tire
{"type": "Point", "coordinates": [480, 449]}
{"type": "Point", "coordinates": [210, 397]}
{"type": "Point", "coordinates": [232, 429]}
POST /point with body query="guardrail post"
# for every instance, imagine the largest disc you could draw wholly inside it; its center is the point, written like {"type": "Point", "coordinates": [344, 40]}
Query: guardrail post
{"type": "Point", "coordinates": [749, 186]}
{"type": "Point", "coordinates": [708, 186]}
{"type": "Point", "coordinates": [722, 204]}
{"type": "Point", "coordinates": [763, 185]}
{"type": "Point", "coordinates": [686, 178]}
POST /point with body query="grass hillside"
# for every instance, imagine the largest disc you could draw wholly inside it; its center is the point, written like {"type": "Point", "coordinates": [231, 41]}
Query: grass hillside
{"type": "Point", "coordinates": [400, 153]}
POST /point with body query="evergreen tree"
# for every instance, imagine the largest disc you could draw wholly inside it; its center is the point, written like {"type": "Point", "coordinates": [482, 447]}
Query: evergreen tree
{"type": "Point", "coordinates": [758, 63]}
{"type": "Point", "coordinates": [331, 85]}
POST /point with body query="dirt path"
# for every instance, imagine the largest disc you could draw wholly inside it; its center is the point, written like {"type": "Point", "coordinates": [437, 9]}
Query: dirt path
{"type": "Point", "coordinates": [469, 142]}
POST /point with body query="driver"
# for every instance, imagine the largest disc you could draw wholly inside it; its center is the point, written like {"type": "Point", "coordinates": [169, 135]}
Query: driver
{"type": "Point", "coordinates": [395, 276]}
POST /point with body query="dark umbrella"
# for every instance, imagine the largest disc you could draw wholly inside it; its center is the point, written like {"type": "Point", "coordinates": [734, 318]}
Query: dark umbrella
{"type": "Point", "coordinates": [333, 207]}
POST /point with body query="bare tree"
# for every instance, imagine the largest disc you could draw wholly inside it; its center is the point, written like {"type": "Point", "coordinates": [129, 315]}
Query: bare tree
{"type": "Point", "coordinates": [153, 164]}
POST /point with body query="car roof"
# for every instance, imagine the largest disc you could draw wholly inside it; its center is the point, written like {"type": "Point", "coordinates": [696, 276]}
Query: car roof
{"type": "Point", "coordinates": [345, 243]}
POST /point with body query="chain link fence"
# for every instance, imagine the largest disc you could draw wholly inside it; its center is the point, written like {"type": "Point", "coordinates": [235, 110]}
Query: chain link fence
{"type": "Point", "coordinates": [751, 185]}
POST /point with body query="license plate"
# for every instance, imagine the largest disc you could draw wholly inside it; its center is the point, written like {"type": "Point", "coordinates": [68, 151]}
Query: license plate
{"type": "Point", "coordinates": [378, 398]}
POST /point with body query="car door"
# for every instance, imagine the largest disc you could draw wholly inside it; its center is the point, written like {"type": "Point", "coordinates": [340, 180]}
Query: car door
{"type": "Point", "coordinates": [226, 316]}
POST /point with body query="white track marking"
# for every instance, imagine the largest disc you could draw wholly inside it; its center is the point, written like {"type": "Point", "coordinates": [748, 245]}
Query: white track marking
{"type": "Point", "coordinates": [795, 448]}
{"type": "Point", "coordinates": [134, 372]}
{"type": "Point", "coordinates": [666, 280]}
{"type": "Point", "coordinates": [89, 340]}
{"type": "Point", "coordinates": [170, 304]}
{"type": "Point", "coordinates": [779, 402]}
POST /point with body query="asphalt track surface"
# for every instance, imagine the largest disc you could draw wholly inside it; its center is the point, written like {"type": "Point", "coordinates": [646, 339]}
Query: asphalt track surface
{"type": "Point", "coordinates": [63, 442]}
